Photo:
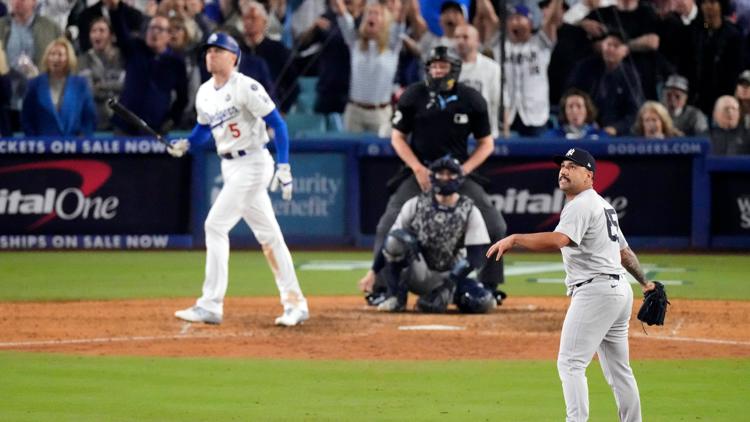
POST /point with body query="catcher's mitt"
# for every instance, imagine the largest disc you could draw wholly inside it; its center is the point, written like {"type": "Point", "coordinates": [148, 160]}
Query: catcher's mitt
{"type": "Point", "coordinates": [654, 307]}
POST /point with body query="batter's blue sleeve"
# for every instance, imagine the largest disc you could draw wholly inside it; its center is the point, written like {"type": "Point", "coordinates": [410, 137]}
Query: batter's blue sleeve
{"type": "Point", "coordinates": [274, 120]}
{"type": "Point", "coordinates": [200, 134]}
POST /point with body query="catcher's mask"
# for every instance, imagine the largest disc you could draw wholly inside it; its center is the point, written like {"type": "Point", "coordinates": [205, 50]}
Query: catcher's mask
{"type": "Point", "coordinates": [446, 187]}
{"type": "Point", "coordinates": [446, 83]}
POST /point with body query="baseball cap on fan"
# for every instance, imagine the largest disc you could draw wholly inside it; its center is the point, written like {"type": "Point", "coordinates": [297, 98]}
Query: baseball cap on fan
{"type": "Point", "coordinates": [454, 5]}
{"type": "Point", "coordinates": [579, 156]}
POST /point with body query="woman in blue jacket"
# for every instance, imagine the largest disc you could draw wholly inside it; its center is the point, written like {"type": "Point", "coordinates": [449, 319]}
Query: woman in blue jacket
{"type": "Point", "coordinates": [57, 102]}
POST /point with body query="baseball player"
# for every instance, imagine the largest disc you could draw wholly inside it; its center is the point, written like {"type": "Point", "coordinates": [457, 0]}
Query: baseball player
{"type": "Point", "coordinates": [235, 109]}
{"type": "Point", "coordinates": [438, 239]}
{"type": "Point", "coordinates": [594, 252]}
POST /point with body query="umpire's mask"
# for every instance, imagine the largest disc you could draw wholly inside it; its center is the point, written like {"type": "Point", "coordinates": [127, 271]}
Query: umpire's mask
{"type": "Point", "coordinates": [450, 186]}
{"type": "Point", "coordinates": [446, 83]}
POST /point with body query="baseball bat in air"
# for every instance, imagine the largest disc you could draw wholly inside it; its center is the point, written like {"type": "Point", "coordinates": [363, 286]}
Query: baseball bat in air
{"type": "Point", "coordinates": [134, 120]}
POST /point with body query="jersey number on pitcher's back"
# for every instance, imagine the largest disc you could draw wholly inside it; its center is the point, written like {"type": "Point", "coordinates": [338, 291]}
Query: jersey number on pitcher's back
{"type": "Point", "coordinates": [611, 215]}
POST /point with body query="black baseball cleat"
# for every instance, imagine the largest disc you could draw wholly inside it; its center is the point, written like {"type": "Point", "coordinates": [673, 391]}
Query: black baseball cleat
{"type": "Point", "coordinates": [499, 296]}
{"type": "Point", "coordinates": [375, 298]}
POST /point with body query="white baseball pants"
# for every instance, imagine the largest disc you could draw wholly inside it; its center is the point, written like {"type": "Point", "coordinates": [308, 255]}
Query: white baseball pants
{"type": "Point", "coordinates": [244, 195]}
{"type": "Point", "coordinates": [597, 321]}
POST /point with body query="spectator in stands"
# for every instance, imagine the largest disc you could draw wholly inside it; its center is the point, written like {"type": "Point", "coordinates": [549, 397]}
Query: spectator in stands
{"type": "Point", "coordinates": [653, 122]}
{"type": "Point", "coordinates": [25, 35]}
{"type": "Point", "coordinates": [742, 93]}
{"type": "Point", "coordinates": [728, 137]}
{"type": "Point", "coordinates": [5, 93]}
{"type": "Point", "coordinates": [687, 119]}
{"type": "Point", "coordinates": [452, 15]}
{"type": "Point", "coordinates": [525, 70]}
{"type": "Point", "coordinates": [640, 26]}
{"type": "Point", "coordinates": [577, 118]}
{"type": "Point", "coordinates": [718, 55]}
{"type": "Point", "coordinates": [184, 41]}
{"type": "Point", "coordinates": [279, 58]}
{"type": "Point", "coordinates": [611, 83]}
{"type": "Point", "coordinates": [155, 85]}
{"type": "Point", "coordinates": [573, 45]}
{"type": "Point", "coordinates": [57, 102]}
{"type": "Point", "coordinates": [334, 71]}
{"type": "Point", "coordinates": [57, 11]}
{"type": "Point", "coordinates": [132, 17]}
{"type": "Point", "coordinates": [103, 67]}
{"type": "Point", "coordinates": [374, 49]}
{"type": "Point", "coordinates": [631, 17]}
{"type": "Point", "coordinates": [479, 72]}
{"type": "Point", "coordinates": [679, 38]}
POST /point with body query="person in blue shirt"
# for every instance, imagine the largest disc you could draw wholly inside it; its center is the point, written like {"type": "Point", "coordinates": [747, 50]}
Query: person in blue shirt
{"type": "Point", "coordinates": [57, 102]}
{"type": "Point", "coordinates": [577, 118]}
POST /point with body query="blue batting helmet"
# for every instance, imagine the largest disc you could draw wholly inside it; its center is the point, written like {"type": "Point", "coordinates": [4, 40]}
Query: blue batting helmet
{"type": "Point", "coordinates": [223, 41]}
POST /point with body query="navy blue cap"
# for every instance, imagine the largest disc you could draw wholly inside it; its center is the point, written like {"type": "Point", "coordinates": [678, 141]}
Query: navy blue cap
{"type": "Point", "coordinates": [579, 156]}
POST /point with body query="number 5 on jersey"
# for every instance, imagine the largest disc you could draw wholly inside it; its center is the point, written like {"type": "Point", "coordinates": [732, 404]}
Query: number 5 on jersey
{"type": "Point", "coordinates": [234, 130]}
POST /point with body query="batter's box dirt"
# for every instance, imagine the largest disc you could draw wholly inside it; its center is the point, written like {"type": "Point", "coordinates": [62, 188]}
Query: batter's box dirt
{"type": "Point", "coordinates": [344, 328]}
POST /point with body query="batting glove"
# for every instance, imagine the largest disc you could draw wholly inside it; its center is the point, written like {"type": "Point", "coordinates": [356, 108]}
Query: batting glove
{"type": "Point", "coordinates": [178, 147]}
{"type": "Point", "coordinates": [283, 178]}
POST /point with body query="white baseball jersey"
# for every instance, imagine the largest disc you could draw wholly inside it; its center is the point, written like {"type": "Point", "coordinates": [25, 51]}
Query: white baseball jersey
{"type": "Point", "coordinates": [591, 224]}
{"type": "Point", "coordinates": [235, 113]}
{"type": "Point", "coordinates": [526, 79]}
{"type": "Point", "coordinates": [484, 75]}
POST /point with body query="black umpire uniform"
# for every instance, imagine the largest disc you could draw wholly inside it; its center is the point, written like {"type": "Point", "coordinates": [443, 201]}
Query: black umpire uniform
{"type": "Point", "coordinates": [440, 122]}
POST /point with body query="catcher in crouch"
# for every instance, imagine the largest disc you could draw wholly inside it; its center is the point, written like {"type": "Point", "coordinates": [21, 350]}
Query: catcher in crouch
{"type": "Point", "coordinates": [438, 238]}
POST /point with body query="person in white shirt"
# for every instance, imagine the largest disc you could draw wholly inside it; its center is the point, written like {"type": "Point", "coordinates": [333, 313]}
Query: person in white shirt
{"type": "Point", "coordinates": [594, 252]}
{"type": "Point", "coordinates": [479, 72]}
{"type": "Point", "coordinates": [374, 48]}
{"type": "Point", "coordinates": [527, 57]}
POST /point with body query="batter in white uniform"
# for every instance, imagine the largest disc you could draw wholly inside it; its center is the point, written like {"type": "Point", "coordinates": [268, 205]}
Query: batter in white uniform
{"type": "Point", "coordinates": [594, 253]}
{"type": "Point", "coordinates": [235, 109]}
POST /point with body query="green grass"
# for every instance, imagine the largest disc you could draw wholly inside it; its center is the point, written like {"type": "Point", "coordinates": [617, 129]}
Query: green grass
{"type": "Point", "coordinates": [117, 275]}
{"type": "Point", "coordinates": [52, 387]}
{"type": "Point", "coordinates": [71, 388]}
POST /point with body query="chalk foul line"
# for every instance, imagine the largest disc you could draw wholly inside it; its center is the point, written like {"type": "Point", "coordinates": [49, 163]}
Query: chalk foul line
{"type": "Point", "coordinates": [124, 339]}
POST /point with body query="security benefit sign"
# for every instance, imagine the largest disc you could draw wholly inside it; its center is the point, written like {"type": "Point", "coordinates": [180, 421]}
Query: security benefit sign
{"type": "Point", "coordinates": [730, 204]}
{"type": "Point", "coordinates": [317, 207]}
{"type": "Point", "coordinates": [651, 194]}
{"type": "Point", "coordinates": [91, 195]}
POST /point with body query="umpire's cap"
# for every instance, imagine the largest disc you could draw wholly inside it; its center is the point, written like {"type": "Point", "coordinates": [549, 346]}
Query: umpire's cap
{"type": "Point", "coordinates": [579, 156]}
{"type": "Point", "coordinates": [223, 41]}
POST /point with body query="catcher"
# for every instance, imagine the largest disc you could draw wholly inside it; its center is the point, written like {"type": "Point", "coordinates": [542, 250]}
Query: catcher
{"type": "Point", "coordinates": [438, 239]}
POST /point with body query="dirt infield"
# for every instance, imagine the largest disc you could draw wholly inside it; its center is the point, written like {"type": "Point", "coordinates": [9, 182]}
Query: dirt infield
{"type": "Point", "coordinates": [343, 328]}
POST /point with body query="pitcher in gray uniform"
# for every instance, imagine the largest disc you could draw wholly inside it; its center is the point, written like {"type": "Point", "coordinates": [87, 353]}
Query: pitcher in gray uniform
{"type": "Point", "coordinates": [594, 252]}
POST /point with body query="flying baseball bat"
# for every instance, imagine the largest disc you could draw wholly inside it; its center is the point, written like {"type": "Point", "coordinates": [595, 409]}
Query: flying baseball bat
{"type": "Point", "coordinates": [134, 120]}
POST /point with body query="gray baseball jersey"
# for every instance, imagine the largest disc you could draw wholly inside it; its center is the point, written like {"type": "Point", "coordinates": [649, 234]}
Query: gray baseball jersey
{"type": "Point", "coordinates": [591, 224]}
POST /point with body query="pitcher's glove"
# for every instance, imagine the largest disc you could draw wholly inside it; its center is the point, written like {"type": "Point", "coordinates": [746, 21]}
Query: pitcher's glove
{"type": "Point", "coordinates": [282, 179]}
{"type": "Point", "coordinates": [654, 307]}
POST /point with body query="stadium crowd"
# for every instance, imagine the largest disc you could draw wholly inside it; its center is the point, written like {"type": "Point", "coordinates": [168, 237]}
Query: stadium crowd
{"type": "Point", "coordinates": [588, 69]}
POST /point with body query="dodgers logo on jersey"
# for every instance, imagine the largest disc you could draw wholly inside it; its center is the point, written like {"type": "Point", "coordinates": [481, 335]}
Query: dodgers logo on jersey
{"type": "Point", "coordinates": [222, 116]}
